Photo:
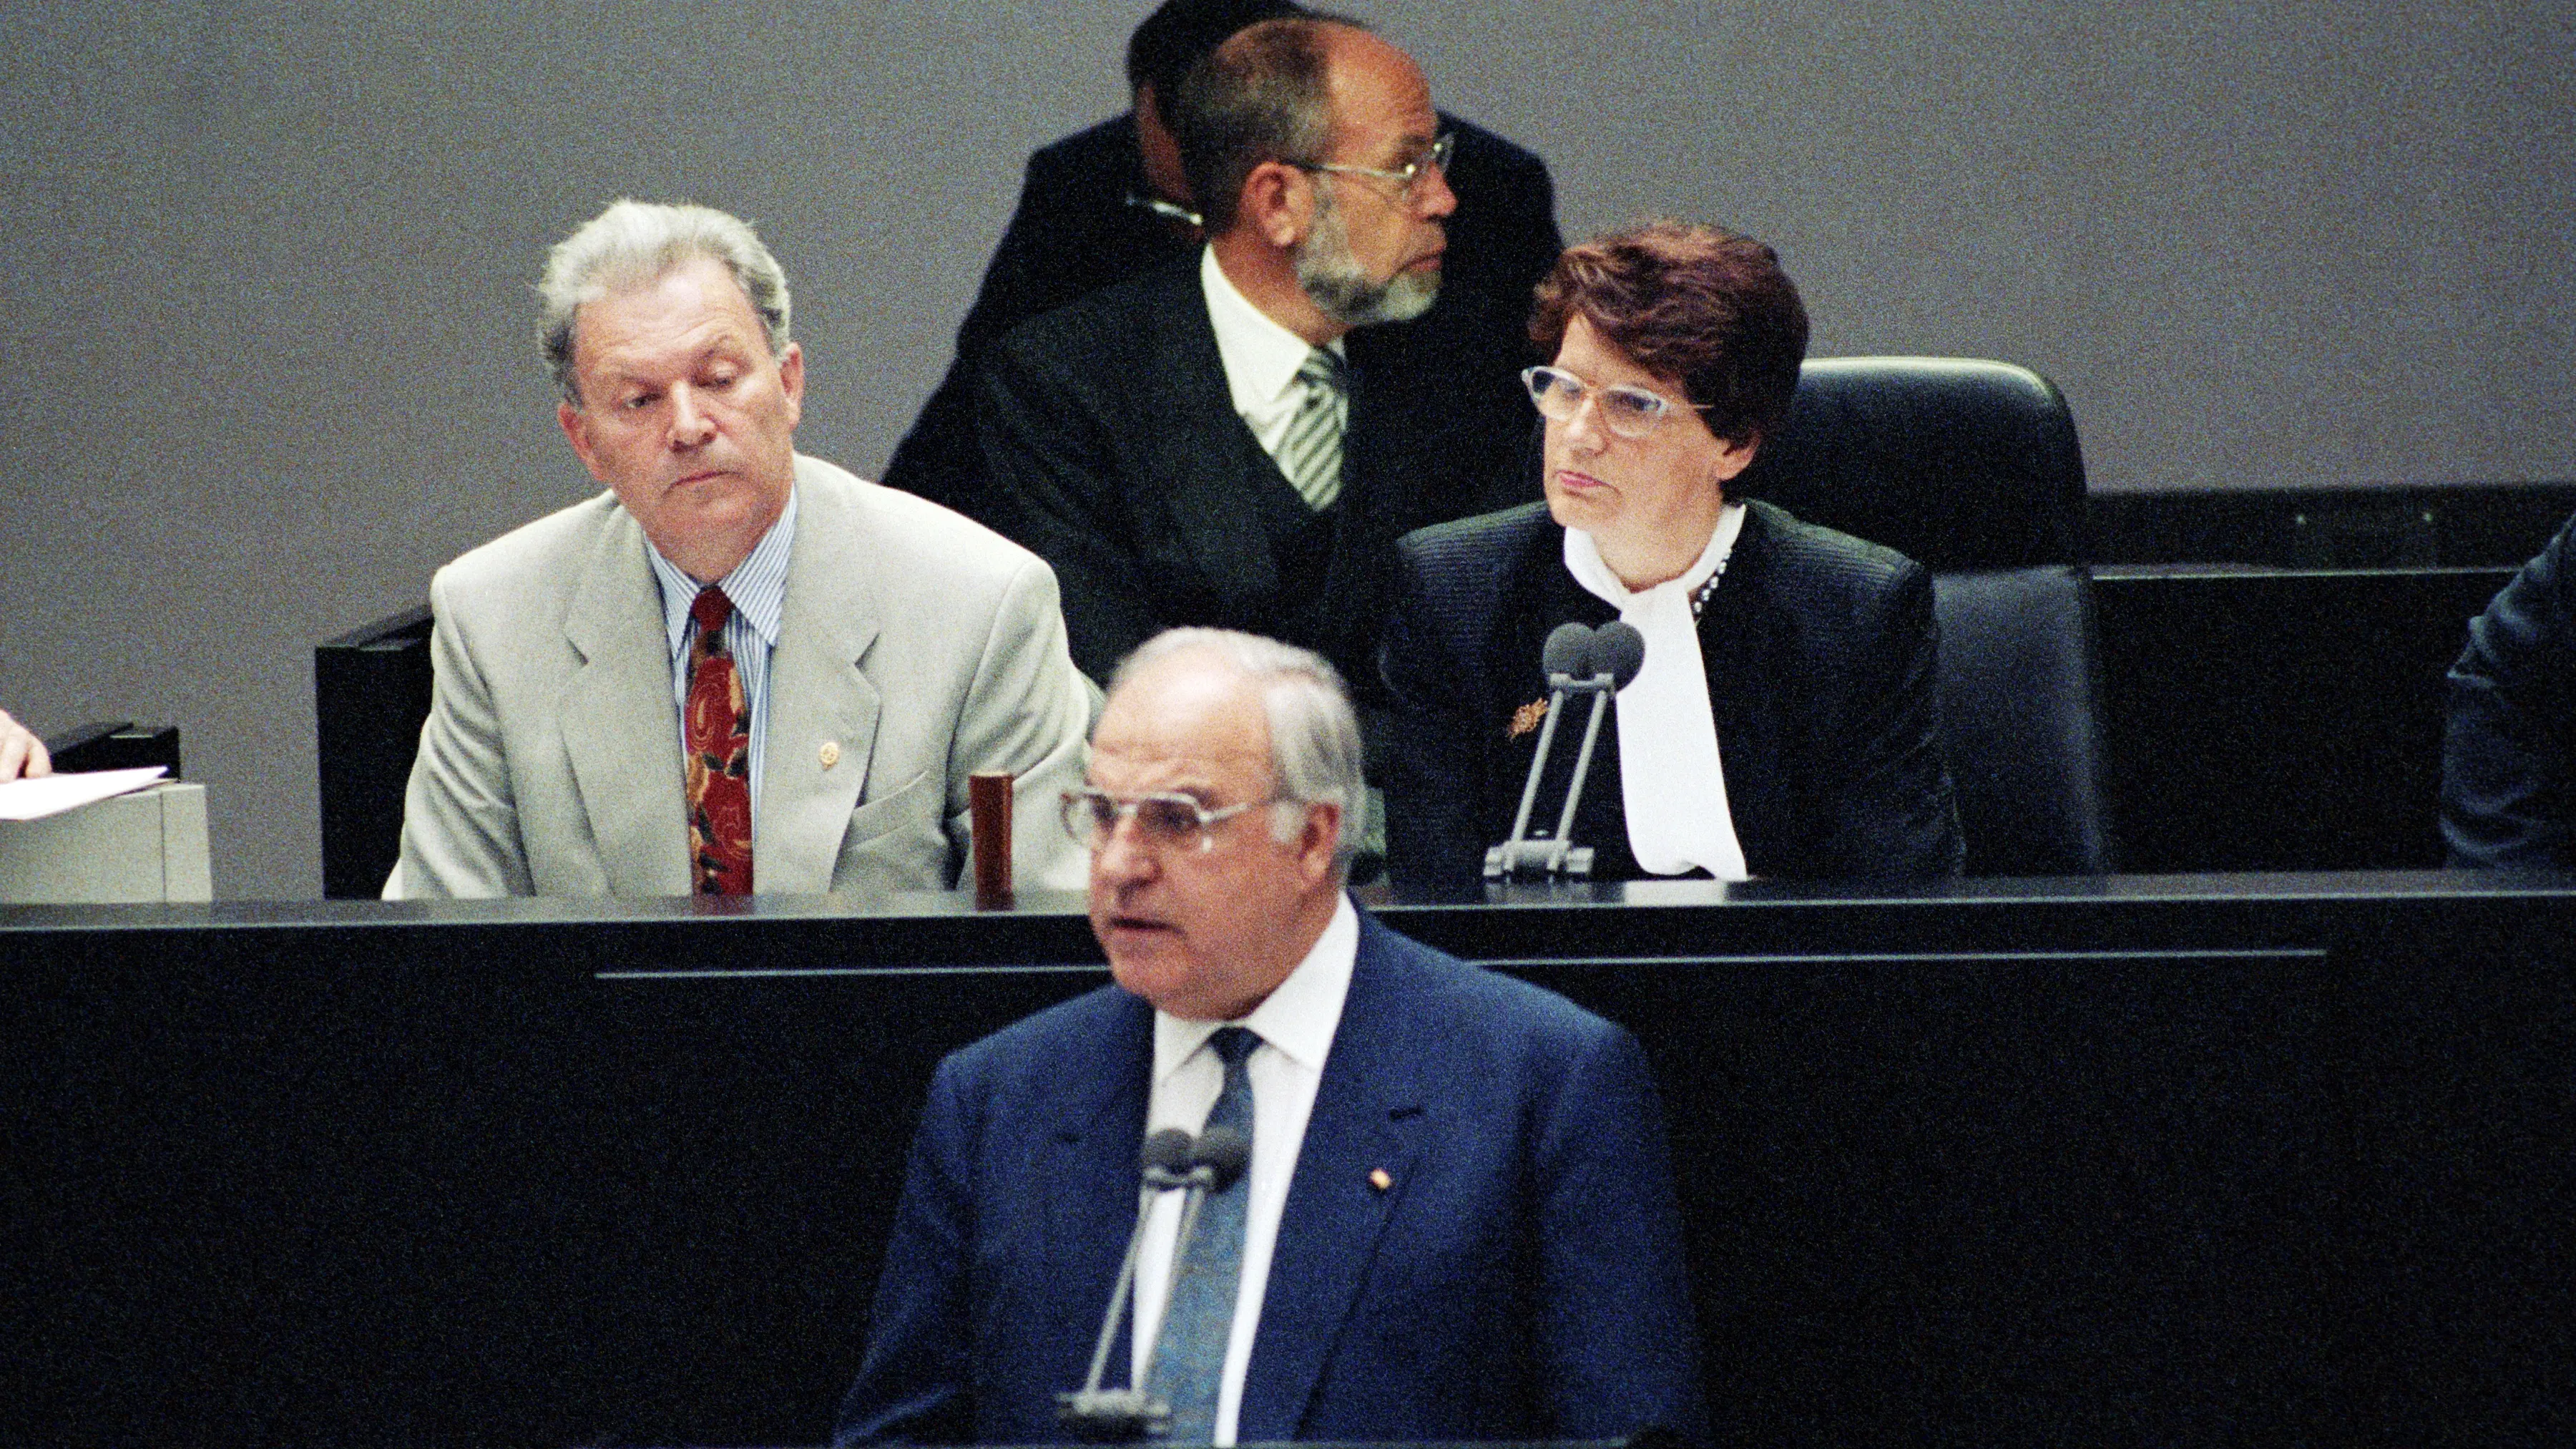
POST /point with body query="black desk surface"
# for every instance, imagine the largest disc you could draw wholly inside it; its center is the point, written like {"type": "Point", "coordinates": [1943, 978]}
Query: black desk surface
{"type": "Point", "coordinates": [2134, 1160]}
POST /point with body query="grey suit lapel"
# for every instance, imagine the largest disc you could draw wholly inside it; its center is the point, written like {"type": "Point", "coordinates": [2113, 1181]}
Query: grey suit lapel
{"type": "Point", "coordinates": [620, 727]}
{"type": "Point", "coordinates": [1368, 1119]}
{"type": "Point", "coordinates": [817, 696]}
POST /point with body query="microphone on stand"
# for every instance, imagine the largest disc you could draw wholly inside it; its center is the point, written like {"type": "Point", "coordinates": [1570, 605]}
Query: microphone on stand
{"type": "Point", "coordinates": [1114, 1414]}
{"type": "Point", "coordinates": [1218, 1159]}
{"type": "Point", "coordinates": [1577, 660]}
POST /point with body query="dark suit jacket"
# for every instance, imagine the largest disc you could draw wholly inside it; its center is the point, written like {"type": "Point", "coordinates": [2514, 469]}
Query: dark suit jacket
{"type": "Point", "coordinates": [1822, 658]}
{"type": "Point", "coordinates": [1522, 1278]}
{"type": "Point", "coordinates": [1116, 456]}
{"type": "Point", "coordinates": [2509, 742]}
{"type": "Point", "coordinates": [1074, 233]}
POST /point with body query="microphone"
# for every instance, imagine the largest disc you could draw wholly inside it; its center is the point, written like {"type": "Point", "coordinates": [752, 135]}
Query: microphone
{"type": "Point", "coordinates": [1168, 1160]}
{"type": "Point", "coordinates": [1218, 1159]}
{"type": "Point", "coordinates": [1568, 647]}
{"type": "Point", "coordinates": [1619, 651]}
{"type": "Point", "coordinates": [1222, 1155]}
{"type": "Point", "coordinates": [1577, 660]}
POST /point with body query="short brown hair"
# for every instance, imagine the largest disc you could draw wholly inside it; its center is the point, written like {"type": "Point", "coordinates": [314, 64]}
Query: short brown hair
{"type": "Point", "coordinates": [1694, 303]}
{"type": "Point", "coordinates": [1263, 95]}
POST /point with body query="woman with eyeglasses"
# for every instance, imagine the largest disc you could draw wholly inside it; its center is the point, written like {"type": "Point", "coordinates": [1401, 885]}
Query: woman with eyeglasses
{"type": "Point", "coordinates": [1785, 721]}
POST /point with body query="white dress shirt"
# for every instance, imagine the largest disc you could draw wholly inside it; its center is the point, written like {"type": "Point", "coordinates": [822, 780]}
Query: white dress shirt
{"type": "Point", "coordinates": [758, 588]}
{"type": "Point", "coordinates": [1261, 357]}
{"type": "Point", "coordinates": [1296, 1023]}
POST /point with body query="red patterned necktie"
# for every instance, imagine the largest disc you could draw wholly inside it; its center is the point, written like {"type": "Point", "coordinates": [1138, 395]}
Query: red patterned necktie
{"type": "Point", "coordinates": [717, 725]}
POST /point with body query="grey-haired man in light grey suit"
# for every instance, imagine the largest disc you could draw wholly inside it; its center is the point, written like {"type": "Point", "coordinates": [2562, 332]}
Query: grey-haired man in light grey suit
{"type": "Point", "coordinates": [882, 648]}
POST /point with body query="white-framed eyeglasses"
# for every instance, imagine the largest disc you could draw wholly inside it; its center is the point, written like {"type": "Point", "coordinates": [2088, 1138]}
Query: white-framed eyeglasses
{"type": "Point", "coordinates": [1166, 819]}
{"type": "Point", "coordinates": [1629, 411]}
{"type": "Point", "coordinates": [1408, 177]}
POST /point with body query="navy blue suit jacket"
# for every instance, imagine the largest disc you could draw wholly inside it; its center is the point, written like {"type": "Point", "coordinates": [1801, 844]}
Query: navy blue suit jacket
{"type": "Point", "coordinates": [2509, 740]}
{"type": "Point", "coordinates": [1521, 1278]}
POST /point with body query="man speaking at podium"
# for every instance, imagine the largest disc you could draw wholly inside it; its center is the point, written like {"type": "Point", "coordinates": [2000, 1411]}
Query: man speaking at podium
{"type": "Point", "coordinates": [1458, 1219]}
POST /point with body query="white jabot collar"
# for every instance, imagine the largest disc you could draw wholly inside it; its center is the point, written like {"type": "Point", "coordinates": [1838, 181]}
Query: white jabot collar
{"type": "Point", "coordinates": [1669, 777]}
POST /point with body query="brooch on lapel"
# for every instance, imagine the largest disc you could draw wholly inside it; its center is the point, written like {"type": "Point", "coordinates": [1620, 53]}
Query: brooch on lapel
{"type": "Point", "coordinates": [1526, 718]}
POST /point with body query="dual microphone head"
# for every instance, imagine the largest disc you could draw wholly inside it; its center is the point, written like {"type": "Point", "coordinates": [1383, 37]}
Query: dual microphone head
{"type": "Point", "coordinates": [1173, 1158]}
{"type": "Point", "coordinates": [1580, 654]}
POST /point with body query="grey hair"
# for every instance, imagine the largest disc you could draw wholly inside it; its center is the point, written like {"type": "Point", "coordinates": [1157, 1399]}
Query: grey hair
{"type": "Point", "coordinates": [1315, 752]}
{"type": "Point", "coordinates": [1264, 95]}
{"type": "Point", "coordinates": [633, 243]}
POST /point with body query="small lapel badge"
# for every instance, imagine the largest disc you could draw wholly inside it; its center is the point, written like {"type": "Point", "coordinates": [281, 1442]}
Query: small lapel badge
{"type": "Point", "coordinates": [1527, 717]}
{"type": "Point", "coordinates": [1380, 1179]}
{"type": "Point", "coordinates": [831, 753]}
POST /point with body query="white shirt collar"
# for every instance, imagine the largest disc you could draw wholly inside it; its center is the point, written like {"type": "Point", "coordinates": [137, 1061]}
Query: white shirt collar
{"type": "Point", "coordinates": [1298, 1018]}
{"type": "Point", "coordinates": [1261, 357]}
{"type": "Point", "coordinates": [757, 586]}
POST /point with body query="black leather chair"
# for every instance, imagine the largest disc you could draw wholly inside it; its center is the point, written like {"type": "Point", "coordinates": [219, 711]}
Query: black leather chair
{"type": "Point", "coordinates": [1972, 468]}
{"type": "Point", "coordinates": [1954, 462]}
{"type": "Point", "coordinates": [2021, 719]}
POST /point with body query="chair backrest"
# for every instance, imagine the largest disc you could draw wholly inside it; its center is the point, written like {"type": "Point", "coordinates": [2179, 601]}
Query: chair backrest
{"type": "Point", "coordinates": [1957, 463]}
{"type": "Point", "coordinates": [2020, 720]}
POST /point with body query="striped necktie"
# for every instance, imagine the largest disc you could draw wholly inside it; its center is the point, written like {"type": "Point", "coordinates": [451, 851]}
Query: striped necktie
{"type": "Point", "coordinates": [1198, 1319]}
{"type": "Point", "coordinates": [1311, 453]}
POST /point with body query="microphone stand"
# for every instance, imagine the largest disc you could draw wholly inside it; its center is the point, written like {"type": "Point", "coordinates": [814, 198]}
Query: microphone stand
{"type": "Point", "coordinates": [1560, 856]}
{"type": "Point", "coordinates": [1111, 1415]}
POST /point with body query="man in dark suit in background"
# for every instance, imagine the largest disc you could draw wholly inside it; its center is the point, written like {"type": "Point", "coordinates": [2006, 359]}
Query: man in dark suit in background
{"type": "Point", "coordinates": [1113, 201]}
{"type": "Point", "coordinates": [1458, 1219]}
{"type": "Point", "coordinates": [1237, 440]}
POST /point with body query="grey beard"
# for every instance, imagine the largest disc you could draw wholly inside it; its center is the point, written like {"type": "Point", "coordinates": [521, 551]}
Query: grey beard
{"type": "Point", "coordinates": [1341, 289]}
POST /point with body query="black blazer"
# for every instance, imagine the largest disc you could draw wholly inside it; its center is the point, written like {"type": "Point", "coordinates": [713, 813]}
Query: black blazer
{"type": "Point", "coordinates": [1115, 454]}
{"type": "Point", "coordinates": [1822, 657]}
{"type": "Point", "coordinates": [1073, 234]}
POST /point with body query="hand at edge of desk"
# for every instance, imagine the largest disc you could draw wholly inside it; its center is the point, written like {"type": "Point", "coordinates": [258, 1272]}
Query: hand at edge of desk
{"type": "Point", "coordinates": [20, 751]}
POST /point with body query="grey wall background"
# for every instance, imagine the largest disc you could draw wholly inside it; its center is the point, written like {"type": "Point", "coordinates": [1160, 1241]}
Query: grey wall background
{"type": "Point", "coordinates": [266, 317]}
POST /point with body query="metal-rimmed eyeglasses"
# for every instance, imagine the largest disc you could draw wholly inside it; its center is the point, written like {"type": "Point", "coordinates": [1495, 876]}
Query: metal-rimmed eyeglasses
{"type": "Point", "coordinates": [1408, 177]}
{"type": "Point", "coordinates": [1631, 412]}
{"type": "Point", "coordinates": [1166, 819]}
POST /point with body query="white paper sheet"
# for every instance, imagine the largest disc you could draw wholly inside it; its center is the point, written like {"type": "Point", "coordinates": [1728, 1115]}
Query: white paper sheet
{"type": "Point", "coordinates": [54, 794]}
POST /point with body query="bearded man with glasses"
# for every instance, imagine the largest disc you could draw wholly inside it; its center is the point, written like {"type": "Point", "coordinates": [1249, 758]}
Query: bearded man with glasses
{"type": "Point", "coordinates": [1454, 1217]}
{"type": "Point", "coordinates": [1238, 440]}
{"type": "Point", "coordinates": [1787, 719]}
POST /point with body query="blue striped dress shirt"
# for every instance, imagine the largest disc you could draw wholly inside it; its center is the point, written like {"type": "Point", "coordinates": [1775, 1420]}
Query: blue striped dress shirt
{"type": "Point", "coordinates": [758, 588]}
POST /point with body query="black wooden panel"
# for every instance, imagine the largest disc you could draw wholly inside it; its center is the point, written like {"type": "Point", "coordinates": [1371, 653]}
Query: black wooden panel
{"type": "Point", "coordinates": [2109, 1161]}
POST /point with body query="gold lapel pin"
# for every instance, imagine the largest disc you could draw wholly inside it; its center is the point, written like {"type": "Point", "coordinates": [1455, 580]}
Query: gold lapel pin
{"type": "Point", "coordinates": [1527, 717]}
{"type": "Point", "coordinates": [831, 753]}
{"type": "Point", "coordinates": [1380, 1179]}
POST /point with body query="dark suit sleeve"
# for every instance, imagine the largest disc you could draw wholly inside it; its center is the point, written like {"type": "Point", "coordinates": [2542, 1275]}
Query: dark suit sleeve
{"type": "Point", "coordinates": [2506, 792]}
{"type": "Point", "coordinates": [1504, 237]}
{"type": "Point", "coordinates": [914, 1385]}
{"type": "Point", "coordinates": [1895, 815]}
{"type": "Point", "coordinates": [1057, 248]}
{"type": "Point", "coordinates": [1055, 490]}
{"type": "Point", "coordinates": [1434, 777]}
{"type": "Point", "coordinates": [1616, 1335]}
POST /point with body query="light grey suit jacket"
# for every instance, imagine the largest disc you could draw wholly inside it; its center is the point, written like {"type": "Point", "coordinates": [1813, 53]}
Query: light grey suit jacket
{"type": "Point", "coordinates": [915, 648]}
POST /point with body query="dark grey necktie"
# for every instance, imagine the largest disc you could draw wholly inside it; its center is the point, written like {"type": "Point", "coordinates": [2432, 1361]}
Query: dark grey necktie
{"type": "Point", "coordinates": [1311, 453]}
{"type": "Point", "coordinates": [1198, 1318]}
